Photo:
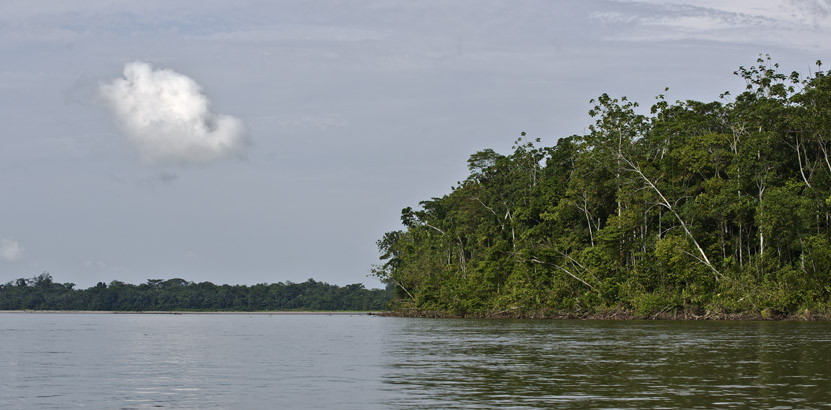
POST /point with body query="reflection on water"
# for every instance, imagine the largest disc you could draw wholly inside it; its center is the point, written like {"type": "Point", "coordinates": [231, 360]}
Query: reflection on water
{"type": "Point", "coordinates": [189, 362]}
{"type": "Point", "coordinates": [363, 362]}
{"type": "Point", "coordinates": [594, 364]}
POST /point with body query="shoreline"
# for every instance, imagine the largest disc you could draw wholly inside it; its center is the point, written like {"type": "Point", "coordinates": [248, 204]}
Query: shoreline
{"type": "Point", "coordinates": [807, 316]}
{"type": "Point", "coordinates": [607, 316]}
{"type": "Point", "coordinates": [176, 312]}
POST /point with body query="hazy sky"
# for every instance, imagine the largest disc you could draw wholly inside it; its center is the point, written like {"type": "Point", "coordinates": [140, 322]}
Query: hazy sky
{"type": "Point", "coordinates": [265, 141]}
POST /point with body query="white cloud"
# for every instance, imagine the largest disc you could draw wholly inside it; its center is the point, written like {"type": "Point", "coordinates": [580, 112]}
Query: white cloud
{"type": "Point", "coordinates": [801, 24]}
{"type": "Point", "coordinates": [794, 11]}
{"type": "Point", "coordinates": [10, 250]}
{"type": "Point", "coordinates": [167, 118]}
{"type": "Point", "coordinates": [614, 17]}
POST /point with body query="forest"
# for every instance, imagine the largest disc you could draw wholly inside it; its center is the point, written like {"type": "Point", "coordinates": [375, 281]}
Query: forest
{"type": "Point", "coordinates": [42, 293]}
{"type": "Point", "coordinates": [688, 207]}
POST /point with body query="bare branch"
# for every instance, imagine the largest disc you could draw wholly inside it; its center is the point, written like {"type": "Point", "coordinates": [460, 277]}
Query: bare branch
{"type": "Point", "coordinates": [704, 259]}
{"type": "Point", "coordinates": [535, 260]}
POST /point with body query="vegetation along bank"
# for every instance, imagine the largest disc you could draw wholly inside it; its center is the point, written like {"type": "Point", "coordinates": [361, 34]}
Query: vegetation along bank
{"type": "Point", "coordinates": [697, 209]}
{"type": "Point", "coordinates": [42, 293]}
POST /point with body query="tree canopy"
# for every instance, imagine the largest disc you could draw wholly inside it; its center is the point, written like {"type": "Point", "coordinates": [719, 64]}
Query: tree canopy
{"type": "Point", "coordinates": [694, 206]}
{"type": "Point", "coordinates": [42, 293]}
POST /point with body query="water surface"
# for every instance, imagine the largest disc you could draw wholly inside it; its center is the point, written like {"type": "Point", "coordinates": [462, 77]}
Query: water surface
{"type": "Point", "coordinates": [106, 361]}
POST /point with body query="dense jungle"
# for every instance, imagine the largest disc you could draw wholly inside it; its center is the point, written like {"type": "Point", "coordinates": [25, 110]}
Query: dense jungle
{"type": "Point", "coordinates": [43, 293]}
{"type": "Point", "coordinates": [689, 208]}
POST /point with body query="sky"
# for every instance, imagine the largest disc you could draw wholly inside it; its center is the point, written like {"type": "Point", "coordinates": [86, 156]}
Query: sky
{"type": "Point", "coordinates": [248, 142]}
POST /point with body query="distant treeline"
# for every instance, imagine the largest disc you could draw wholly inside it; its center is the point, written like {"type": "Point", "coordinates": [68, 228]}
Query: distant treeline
{"type": "Point", "coordinates": [42, 293]}
{"type": "Point", "coordinates": [698, 207]}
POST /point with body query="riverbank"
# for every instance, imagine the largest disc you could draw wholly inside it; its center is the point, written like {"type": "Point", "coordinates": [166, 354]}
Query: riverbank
{"type": "Point", "coordinates": [806, 315]}
{"type": "Point", "coordinates": [613, 315]}
{"type": "Point", "coordinates": [174, 312]}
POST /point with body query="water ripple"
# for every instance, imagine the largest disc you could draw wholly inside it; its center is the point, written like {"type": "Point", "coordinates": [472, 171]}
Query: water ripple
{"type": "Point", "coordinates": [366, 363]}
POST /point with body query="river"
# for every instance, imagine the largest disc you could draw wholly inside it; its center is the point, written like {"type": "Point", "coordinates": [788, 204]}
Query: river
{"type": "Point", "coordinates": [121, 361]}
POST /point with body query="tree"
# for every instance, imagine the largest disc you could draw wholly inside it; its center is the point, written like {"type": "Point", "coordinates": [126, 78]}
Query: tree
{"type": "Point", "coordinates": [699, 205]}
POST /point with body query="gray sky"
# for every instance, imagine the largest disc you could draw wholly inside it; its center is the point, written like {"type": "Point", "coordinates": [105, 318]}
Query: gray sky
{"type": "Point", "coordinates": [266, 141]}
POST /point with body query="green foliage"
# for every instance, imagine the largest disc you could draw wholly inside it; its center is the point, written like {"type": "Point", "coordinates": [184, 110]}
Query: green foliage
{"type": "Point", "coordinates": [40, 293]}
{"type": "Point", "coordinates": [699, 206]}
{"type": "Point", "coordinates": [654, 303]}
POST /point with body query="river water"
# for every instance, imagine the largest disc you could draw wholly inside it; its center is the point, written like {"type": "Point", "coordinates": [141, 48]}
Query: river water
{"type": "Point", "coordinates": [117, 361]}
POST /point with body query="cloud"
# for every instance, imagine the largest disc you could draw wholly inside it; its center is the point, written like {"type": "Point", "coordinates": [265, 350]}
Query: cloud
{"type": "Point", "coordinates": [167, 118]}
{"type": "Point", "coordinates": [798, 24]}
{"type": "Point", "coordinates": [10, 250]}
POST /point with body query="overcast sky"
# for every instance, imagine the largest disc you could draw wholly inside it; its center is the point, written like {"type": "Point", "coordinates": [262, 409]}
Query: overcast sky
{"type": "Point", "coordinates": [263, 141]}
